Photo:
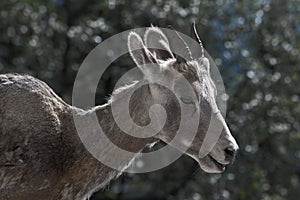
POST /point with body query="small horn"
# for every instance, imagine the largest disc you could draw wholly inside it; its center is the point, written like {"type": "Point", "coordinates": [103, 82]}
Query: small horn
{"type": "Point", "coordinates": [179, 58]}
{"type": "Point", "coordinates": [196, 37]}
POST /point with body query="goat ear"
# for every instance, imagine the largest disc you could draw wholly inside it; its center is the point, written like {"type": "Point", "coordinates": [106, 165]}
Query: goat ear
{"type": "Point", "coordinates": [139, 53]}
{"type": "Point", "coordinates": [158, 44]}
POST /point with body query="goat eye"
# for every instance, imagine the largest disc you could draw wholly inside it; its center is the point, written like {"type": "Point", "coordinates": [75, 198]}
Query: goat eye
{"type": "Point", "coordinates": [187, 100]}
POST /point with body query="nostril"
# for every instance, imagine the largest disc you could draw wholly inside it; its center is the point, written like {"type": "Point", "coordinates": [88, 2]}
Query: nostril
{"type": "Point", "coordinates": [230, 152]}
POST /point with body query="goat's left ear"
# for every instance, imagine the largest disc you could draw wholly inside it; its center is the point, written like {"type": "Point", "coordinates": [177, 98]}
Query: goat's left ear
{"type": "Point", "coordinates": [139, 53]}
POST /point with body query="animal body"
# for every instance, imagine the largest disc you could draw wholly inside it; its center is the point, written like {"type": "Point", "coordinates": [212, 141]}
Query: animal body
{"type": "Point", "coordinates": [41, 154]}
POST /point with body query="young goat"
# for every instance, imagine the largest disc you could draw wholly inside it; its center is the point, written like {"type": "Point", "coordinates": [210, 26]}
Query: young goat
{"type": "Point", "coordinates": [41, 154]}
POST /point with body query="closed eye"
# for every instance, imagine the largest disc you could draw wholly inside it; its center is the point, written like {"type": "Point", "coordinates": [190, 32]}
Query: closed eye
{"type": "Point", "coordinates": [187, 100]}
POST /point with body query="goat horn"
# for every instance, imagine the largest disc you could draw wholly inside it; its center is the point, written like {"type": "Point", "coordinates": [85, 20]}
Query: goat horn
{"type": "Point", "coordinates": [179, 58]}
{"type": "Point", "coordinates": [196, 37]}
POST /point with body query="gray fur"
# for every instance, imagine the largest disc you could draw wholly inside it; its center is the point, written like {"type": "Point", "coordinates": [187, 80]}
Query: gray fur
{"type": "Point", "coordinates": [41, 155]}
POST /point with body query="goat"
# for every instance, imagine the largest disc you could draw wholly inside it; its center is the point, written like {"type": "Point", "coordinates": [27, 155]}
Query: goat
{"type": "Point", "coordinates": [41, 154]}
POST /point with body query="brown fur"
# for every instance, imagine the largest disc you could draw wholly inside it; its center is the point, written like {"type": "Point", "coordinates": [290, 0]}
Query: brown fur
{"type": "Point", "coordinates": [42, 156]}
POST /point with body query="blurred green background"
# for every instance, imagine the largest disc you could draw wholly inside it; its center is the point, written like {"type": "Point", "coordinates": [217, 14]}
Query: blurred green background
{"type": "Point", "coordinates": [255, 44]}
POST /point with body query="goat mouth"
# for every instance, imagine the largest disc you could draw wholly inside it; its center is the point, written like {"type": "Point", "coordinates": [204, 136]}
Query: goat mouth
{"type": "Point", "coordinates": [220, 166]}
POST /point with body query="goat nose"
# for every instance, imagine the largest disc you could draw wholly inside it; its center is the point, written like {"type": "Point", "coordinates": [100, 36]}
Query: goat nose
{"type": "Point", "coordinates": [230, 153]}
